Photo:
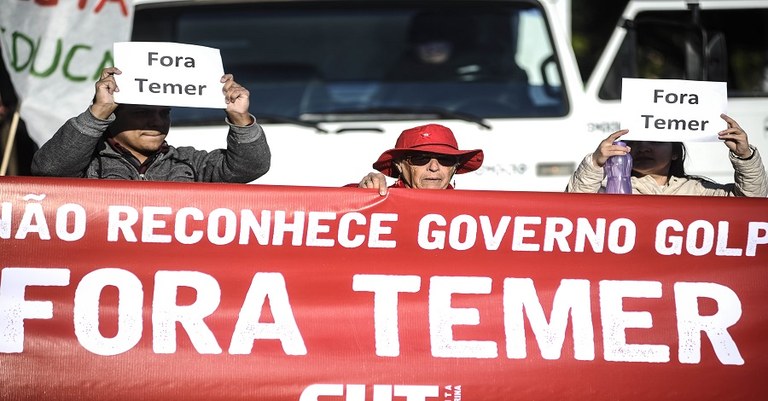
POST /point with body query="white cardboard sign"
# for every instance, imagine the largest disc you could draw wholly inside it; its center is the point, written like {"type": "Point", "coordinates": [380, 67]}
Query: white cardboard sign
{"type": "Point", "coordinates": [169, 74]}
{"type": "Point", "coordinates": [673, 110]}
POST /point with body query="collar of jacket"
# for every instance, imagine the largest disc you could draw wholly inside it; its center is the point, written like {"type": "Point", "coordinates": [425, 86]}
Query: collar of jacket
{"type": "Point", "coordinates": [127, 155]}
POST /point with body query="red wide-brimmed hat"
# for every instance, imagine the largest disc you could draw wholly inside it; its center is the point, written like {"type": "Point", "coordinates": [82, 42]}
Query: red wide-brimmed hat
{"type": "Point", "coordinates": [430, 138]}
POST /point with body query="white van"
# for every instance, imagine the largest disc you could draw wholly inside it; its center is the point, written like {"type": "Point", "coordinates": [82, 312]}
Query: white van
{"type": "Point", "coordinates": [714, 40]}
{"type": "Point", "coordinates": [334, 82]}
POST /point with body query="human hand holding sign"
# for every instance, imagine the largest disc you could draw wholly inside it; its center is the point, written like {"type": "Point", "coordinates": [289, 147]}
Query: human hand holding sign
{"type": "Point", "coordinates": [104, 101]}
{"type": "Point", "coordinates": [735, 138]}
{"type": "Point", "coordinates": [237, 99]}
{"type": "Point", "coordinates": [607, 149]}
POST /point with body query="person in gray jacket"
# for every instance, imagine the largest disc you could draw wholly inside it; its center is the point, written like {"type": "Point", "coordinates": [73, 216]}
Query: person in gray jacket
{"type": "Point", "coordinates": [127, 141]}
{"type": "Point", "coordinates": [657, 167]}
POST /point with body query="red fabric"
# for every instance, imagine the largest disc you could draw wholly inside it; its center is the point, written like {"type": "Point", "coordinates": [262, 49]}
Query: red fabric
{"type": "Point", "coordinates": [145, 281]}
{"type": "Point", "coordinates": [429, 138]}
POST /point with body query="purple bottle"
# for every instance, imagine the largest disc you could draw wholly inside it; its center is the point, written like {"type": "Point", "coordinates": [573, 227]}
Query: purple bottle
{"type": "Point", "coordinates": [618, 169]}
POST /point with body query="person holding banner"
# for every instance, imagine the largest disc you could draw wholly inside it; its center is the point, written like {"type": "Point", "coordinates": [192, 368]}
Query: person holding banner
{"type": "Point", "coordinates": [127, 141]}
{"type": "Point", "coordinates": [658, 167]}
{"type": "Point", "coordinates": [424, 157]}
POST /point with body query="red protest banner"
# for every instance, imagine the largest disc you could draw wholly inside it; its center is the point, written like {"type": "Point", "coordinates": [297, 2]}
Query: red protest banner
{"type": "Point", "coordinates": [164, 291]}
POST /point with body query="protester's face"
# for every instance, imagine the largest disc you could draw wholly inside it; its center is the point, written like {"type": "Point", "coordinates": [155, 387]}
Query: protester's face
{"type": "Point", "coordinates": [435, 52]}
{"type": "Point", "coordinates": [141, 129]}
{"type": "Point", "coordinates": [427, 171]}
{"type": "Point", "coordinates": [651, 157]}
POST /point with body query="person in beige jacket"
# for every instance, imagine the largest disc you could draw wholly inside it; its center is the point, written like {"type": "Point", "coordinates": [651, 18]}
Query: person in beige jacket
{"type": "Point", "coordinates": [657, 167]}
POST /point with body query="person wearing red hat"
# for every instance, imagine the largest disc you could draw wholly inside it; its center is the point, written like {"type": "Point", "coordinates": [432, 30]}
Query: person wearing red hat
{"type": "Point", "coordinates": [424, 157]}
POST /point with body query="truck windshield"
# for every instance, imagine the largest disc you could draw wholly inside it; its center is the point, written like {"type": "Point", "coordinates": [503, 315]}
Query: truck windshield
{"type": "Point", "coordinates": [657, 48]}
{"type": "Point", "coordinates": [327, 61]}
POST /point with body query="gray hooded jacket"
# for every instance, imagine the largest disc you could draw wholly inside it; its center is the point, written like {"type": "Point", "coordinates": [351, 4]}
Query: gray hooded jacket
{"type": "Point", "coordinates": [79, 149]}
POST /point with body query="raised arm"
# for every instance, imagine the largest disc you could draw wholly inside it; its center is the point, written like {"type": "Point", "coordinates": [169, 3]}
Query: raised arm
{"type": "Point", "coordinates": [70, 150]}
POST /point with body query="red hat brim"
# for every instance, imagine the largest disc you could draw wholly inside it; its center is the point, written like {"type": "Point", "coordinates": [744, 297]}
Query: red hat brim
{"type": "Point", "coordinates": [469, 160]}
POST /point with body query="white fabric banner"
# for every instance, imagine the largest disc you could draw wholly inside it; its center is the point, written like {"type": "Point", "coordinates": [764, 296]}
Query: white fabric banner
{"type": "Point", "coordinates": [54, 51]}
{"type": "Point", "coordinates": [672, 110]}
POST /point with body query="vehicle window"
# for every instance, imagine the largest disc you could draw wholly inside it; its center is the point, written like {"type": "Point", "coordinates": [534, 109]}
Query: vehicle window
{"type": "Point", "coordinates": [661, 50]}
{"type": "Point", "coordinates": [366, 60]}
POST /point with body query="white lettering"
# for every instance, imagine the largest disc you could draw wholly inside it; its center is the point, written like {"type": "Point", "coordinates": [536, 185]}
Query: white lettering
{"type": "Point", "coordinates": [149, 224]}
{"type": "Point", "coordinates": [521, 232]}
{"type": "Point", "coordinates": [385, 305]}
{"type": "Point", "coordinates": [666, 244]}
{"type": "Point", "coordinates": [690, 323]}
{"type": "Point", "coordinates": [456, 231]}
{"type": "Point", "coordinates": [558, 229]}
{"type": "Point", "coordinates": [442, 317]}
{"type": "Point", "coordinates": [215, 226]}
{"type": "Point", "coordinates": [180, 230]}
{"type": "Point", "coordinates": [595, 235]}
{"type": "Point", "coordinates": [282, 227]}
{"type": "Point", "coordinates": [380, 392]}
{"type": "Point", "coordinates": [5, 220]}
{"type": "Point", "coordinates": [78, 222]}
{"type": "Point", "coordinates": [701, 237]}
{"type": "Point", "coordinates": [344, 225]}
{"type": "Point", "coordinates": [120, 221]}
{"type": "Point", "coordinates": [493, 238]}
{"type": "Point", "coordinates": [722, 241]}
{"type": "Point", "coordinates": [754, 238]}
{"type": "Point", "coordinates": [249, 224]}
{"type": "Point", "coordinates": [33, 221]}
{"type": "Point", "coordinates": [378, 230]}
{"type": "Point", "coordinates": [166, 312]}
{"type": "Point", "coordinates": [248, 327]}
{"type": "Point", "coordinates": [314, 229]}
{"type": "Point", "coordinates": [14, 308]}
{"type": "Point", "coordinates": [572, 296]}
{"type": "Point", "coordinates": [630, 235]}
{"type": "Point", "coordinates": [429, 239]}
{"type": "Point", "coordinates": [129, 310]}
{"type": "Point", "coordinates": [616, 320]}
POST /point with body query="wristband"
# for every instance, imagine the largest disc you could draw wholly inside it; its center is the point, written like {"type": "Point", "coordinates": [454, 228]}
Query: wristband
{"type": "Point", "coordinates": [751, 154]}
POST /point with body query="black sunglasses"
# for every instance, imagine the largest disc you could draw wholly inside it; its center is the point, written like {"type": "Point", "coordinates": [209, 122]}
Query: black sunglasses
{"type": "Point", "coordinates": [422, 159]}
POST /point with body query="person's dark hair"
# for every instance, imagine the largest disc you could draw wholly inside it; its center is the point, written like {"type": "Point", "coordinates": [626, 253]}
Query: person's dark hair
{"type": "Point", "coordinates": [676, 168]}
{"type": "Point", "coordinates": [677, 164]}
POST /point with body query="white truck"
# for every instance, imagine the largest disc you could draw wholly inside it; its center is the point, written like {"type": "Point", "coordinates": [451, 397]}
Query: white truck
{"type": "Point", "coordinates": [334, 82]}
{"type": "Point", "coordinates": [713, 40]}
